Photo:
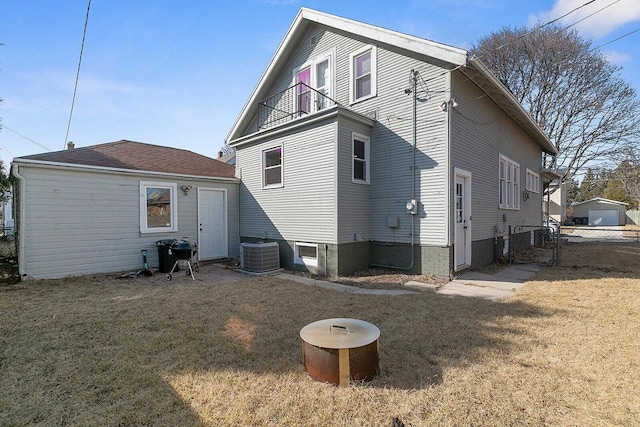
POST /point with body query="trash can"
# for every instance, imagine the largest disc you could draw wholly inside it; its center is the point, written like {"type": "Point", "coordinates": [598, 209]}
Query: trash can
{"type": "Point", "coordinates": [165, 259]}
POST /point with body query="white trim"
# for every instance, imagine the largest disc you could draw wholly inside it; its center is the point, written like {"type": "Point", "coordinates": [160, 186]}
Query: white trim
{"type": "Point", "coordinates": [512, 185]}
{"type": "Point", "coordinates": [263, 167]}
{"type": "Point", "coordinates": [58, 165]}
{"type": "Point", "coordinates": [352, 76]}
{"type": "Point", "coordinates": [312, 64]}
{"type": "Point", "coordinates": [466, 175]}
{"type": "Point", "coordinates": [173, 187]}
{"type": "Point", "coordinates": [225, 220]}
{"type": "Point", "coordinates": [302, 260]}
{"type": "Point", "coordinates": [367, 158]}
{"type": "Point", "coordinates": [532, 182]}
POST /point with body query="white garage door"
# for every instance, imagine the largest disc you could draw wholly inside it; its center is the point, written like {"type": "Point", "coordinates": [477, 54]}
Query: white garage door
{"type": "Point", "coordinates": [603, 217]}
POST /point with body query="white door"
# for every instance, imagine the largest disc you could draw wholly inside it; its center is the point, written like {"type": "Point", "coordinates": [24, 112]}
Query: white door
{"type": "Point", "coordinates": [212, 219]}
{"type": "Point", "coordinates": [462, 213]}
{"type": "Point", "coordinates": [604, 217]}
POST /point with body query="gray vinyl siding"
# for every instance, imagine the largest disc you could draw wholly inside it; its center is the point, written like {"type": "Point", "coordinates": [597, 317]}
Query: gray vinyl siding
{"type": "Point", "coordinates": [391, 140]}
{"type": "Point", "coordinates": [80, 222]}
{"type": "Point", "coordinates": [481, 132]}
{"type": "Point", "coordinates": [354, 199]}
{"type": "Point", "coordinates": [304, 208]}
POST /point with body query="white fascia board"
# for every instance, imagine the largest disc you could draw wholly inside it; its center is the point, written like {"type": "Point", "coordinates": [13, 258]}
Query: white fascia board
{"type": "Point", "coordinates": [272, 64]}
{"type": "Point", "coordinates": [418, 45]}
{"type": "Point", "coordinates": [541, 137]}
{"type": "Point", "coordinates": [335, 112]}
{"type": "Point", "coordinates": [89, 168]}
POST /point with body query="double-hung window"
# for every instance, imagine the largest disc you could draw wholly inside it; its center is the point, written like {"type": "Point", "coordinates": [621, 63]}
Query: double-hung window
{"type": "Point", "coordinates": [158, 207]}
{"type": "Point", "coordinates": [533, 181]}
{"type": "Point", "coordinates": [362, 74]}
{"type": "Point", "coordinates": [272, 167]}
{"type": "Point", "coordinates": [360, 153]}
{"type": "Point", "coordinates": [509, 189]}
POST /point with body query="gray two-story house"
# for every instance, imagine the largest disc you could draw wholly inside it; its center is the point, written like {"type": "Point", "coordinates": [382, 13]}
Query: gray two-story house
{"type": "Point", "coordinates": [361, 146]}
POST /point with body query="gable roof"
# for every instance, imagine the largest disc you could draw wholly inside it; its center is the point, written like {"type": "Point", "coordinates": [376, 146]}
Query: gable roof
{"type": "Point", "coordinates": [136, 156]}
{"type": "Point", "coordinates": [601, 199]}
{"type": "Point", "coordinates": [453, 56]}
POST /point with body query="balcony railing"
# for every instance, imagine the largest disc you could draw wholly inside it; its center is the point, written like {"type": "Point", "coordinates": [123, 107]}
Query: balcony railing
{"type": "Point", "coordinates": [293, 102]}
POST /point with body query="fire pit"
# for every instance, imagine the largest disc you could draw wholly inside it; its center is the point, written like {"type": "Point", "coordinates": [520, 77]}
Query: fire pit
{"type": "Point", "coordinates": [340, 350]}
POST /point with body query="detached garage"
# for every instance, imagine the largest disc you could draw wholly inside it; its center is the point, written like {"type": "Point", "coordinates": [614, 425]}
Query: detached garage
{"type": "Point", "coordinates": [600, 212]}
{"type": "Point", "coordinates": [95, 209]}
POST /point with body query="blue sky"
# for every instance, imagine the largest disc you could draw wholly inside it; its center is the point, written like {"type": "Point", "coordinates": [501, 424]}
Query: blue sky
{"type": "Point", "coordinates": [177, 73]}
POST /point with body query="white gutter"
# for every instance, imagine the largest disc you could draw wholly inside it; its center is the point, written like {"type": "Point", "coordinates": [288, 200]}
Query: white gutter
{"type": "Point", "coordinates": [22, 224]}
{"type": "Point", "coordinates": [59, 165]}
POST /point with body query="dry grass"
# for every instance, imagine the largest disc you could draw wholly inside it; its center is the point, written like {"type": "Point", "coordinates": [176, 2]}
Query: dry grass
{"type": "Point", "coordinates": [564, 351]}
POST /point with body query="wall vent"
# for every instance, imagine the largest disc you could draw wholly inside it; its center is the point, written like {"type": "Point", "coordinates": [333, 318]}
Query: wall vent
{"type": "Point", "coordinates": [313, 40]}
{"type": "Point", "coordinates": [259, 257]}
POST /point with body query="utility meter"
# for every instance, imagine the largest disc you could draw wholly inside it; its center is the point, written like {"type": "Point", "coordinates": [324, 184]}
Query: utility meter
{"type": "Point", "coordinates": [412, 206]}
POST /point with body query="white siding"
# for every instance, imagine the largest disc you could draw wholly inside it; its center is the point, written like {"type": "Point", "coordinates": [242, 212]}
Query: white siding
{"type": "Point", "coordinates": [80, 222]}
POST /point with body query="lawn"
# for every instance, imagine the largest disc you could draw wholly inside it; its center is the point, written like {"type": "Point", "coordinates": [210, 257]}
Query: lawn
{"type": "Point", "coordinates": [563, 351]}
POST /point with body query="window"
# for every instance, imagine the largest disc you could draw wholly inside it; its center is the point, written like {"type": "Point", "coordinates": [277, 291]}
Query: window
{"type": "Point", "coordinates": [272, 167]}
{"type": "Point", "coordinates": [362, 74]}
{"type": "Point", "coordinates": [306, 254]}
{"type": "Point", "coordinates": [509, 172]}
{"type": "Point", "coordinates": [314, 80]}
{"type": "Point", "coordinates": [158, 207]}
{"type": "Point", "coordinates": [360, 153]}
{"type": "Point", "coordinates": [304, 91]}
{"type": "Point", "coordinates": [533, 181]}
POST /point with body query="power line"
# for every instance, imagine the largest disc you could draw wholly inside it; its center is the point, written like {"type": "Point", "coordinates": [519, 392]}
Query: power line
{"type": "Point", "coordinates": [25, 137]}
{"type": "Point", "coordinates": [621, 37]}
{"type": "Point", "coordinates": [75, 88]}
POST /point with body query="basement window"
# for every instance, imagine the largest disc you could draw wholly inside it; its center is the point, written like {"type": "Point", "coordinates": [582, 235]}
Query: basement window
{"type": "Point", "coordinates": [306, 254]}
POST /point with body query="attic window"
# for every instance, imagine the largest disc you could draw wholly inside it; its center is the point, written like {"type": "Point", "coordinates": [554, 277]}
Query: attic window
{"type": "Point", "coordinates": [363, 74]}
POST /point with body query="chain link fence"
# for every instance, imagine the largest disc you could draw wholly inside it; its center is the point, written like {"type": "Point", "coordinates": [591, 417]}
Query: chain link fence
{"type": "Point", "coordinates": [543, 245]}
{"type": "Point", "coordinates": [533, 244]}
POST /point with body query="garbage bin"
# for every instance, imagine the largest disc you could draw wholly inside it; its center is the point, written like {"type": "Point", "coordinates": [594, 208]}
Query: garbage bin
{"type": "Point", "coordinates": [165, 259]}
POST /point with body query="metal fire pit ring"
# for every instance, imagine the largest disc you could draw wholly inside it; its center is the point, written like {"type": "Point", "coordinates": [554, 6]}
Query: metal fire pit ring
{"type": "Point", "coordinates": [340, 350]}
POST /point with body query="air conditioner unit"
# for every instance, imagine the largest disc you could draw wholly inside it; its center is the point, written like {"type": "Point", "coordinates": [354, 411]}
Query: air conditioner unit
{"type": "Point", "coordinates": [259, 257]}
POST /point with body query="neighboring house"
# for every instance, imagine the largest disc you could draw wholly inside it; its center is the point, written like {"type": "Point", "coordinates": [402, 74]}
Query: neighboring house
{"type": "Point", "coordinates": [600, 211]}
{"type": "Point", "coordinates": [93, 209]}
{"type": "Point", "coordinates": [361, 146]}
{"type": "Point", "coordinates": [8, 223]}
{"type": "Point", "coordinates": [555, 201]}
{"type": "Point", "coordinates": [229, 159]}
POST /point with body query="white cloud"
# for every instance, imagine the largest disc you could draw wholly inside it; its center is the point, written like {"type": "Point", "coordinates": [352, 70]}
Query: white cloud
{"type": "Point", "coordinates": [616, 57]}
{"type": "Point", "coordinates": [603, 22]}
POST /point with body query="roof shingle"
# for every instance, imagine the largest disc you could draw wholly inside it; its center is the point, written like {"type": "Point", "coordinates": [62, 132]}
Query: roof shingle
{"type": "Point", "coordinates": [139, 156]}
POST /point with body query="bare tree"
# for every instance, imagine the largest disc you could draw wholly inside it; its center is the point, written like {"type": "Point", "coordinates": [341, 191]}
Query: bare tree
{"type": "Point", "coordinates": [570, 89]}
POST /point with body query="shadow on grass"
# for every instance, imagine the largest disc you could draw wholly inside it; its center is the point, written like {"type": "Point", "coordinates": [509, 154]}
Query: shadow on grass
{"type": "Point", "coordinates": [75, 350]}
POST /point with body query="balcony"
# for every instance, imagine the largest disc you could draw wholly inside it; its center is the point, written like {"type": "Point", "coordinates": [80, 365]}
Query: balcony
{"type": "Point", "coordinates": [296, 101]}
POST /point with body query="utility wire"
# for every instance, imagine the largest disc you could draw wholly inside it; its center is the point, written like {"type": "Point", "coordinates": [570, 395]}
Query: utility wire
{"type": "Point", "coordinates": [25, 137]}
{"type": "Point", "coordinates": [75, 88]}
{"type": "Point", "coordinates": [514, 41]}
{"type": "Point", "coordinates": [621, 37]}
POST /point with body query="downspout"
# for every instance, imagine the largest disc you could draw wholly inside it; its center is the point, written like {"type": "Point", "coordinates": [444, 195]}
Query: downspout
{"type": "Point", "coordinates": [21, 231]}
{"type": "Point", "coordinates": [414, 89]}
